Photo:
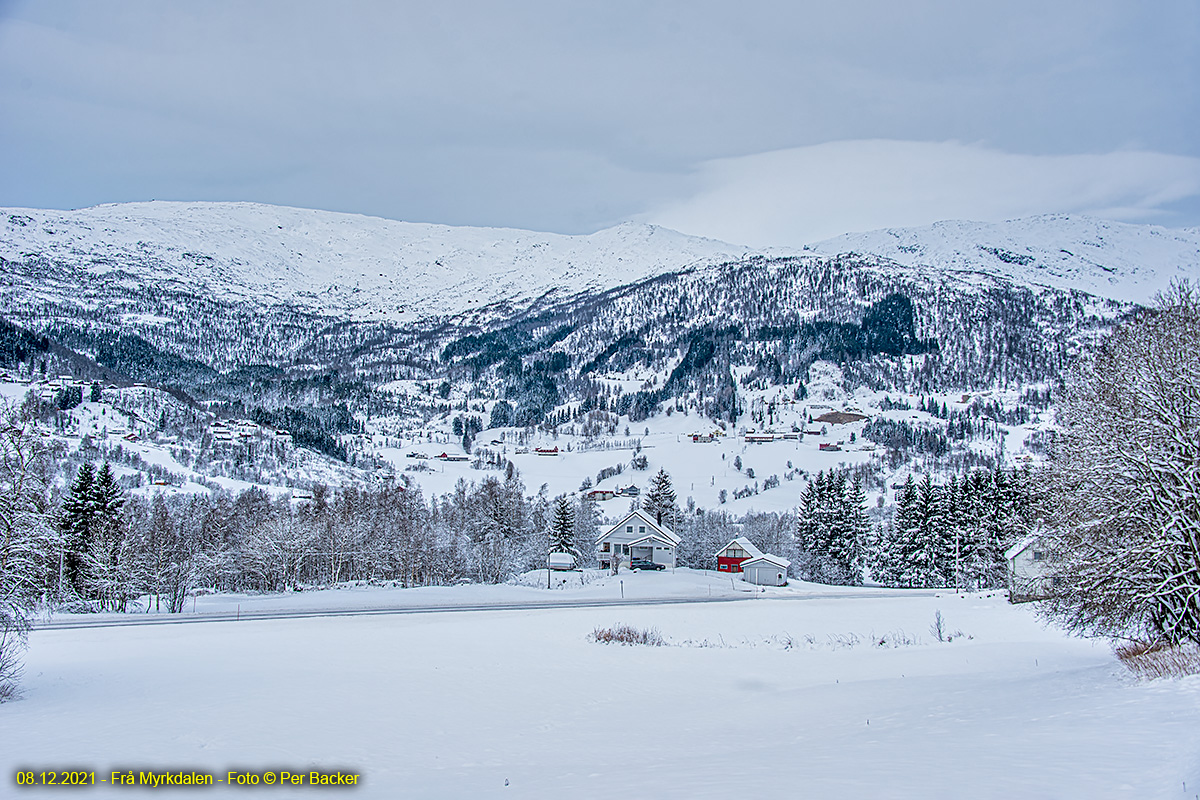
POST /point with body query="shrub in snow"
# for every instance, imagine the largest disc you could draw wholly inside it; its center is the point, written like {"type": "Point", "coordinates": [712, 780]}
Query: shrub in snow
{"type": "Point", "coordinates": [627, 634]}
{"type": "Point", "coordinates": [1157, 660]}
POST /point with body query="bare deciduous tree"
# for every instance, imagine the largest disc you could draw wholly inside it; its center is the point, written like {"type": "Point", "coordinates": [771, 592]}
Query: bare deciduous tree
{"type": "Point", "coordinates": [1125, 499]}
{"type": "Point", "coordinates": [27, 538]}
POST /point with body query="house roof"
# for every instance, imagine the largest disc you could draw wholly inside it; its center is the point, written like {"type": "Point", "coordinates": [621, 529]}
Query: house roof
{"type": "Point", "coordinates": [743, 543]}
{"type": "Point", "coordinates": [644, 518]}
{"type": "Point", "coordinates": [653, 537]}
{"type": "Point", "coordinates": [1016, 549]}
{"type": "Point", "coordinates": [767, 558]}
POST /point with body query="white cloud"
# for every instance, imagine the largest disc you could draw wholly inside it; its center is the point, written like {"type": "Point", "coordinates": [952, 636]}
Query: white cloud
{"type": "Point", "coordinates": [801, 195]}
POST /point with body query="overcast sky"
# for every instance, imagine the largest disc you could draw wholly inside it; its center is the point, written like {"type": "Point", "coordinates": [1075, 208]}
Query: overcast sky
{"type": "Point", "coordinates": [754, 122]}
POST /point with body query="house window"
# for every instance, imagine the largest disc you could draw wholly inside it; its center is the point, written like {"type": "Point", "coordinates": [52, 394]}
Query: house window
{"type": "Point", "coordinates": [1037, 555]}
{"type": "Point", "coordinates": [629, 529]}
{"type": "Point", "coordinates": [641, 528]}
{"type": "Point", "coordinates": [604, 548]}
{"type": "Point", "coordinates": [625, 549]}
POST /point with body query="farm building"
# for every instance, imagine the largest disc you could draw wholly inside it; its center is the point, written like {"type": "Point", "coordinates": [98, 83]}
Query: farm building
{"type": "Point", "coordinates": [766, 570]}
{"type": "Point", "coordinates": [1026, 570]}
{"type": "Point", "coordinates": [731, 556]}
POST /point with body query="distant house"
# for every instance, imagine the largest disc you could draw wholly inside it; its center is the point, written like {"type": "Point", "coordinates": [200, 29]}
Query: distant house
{"type": "Point", "coordinates": [830, 448]}
{"type": "Point", "coordinates": [760, 438]}
{"type": "Point", "coordinates": [245, 427]}
{"type": "Point", "coordinates": [1027, 570]}
{"type": "Point", "coordinates": [546, 451]}
{"type": "Point", "coordinates": [637, 535]}
{"type": "Point", "coordinates": [699, 438]}
{"type": "Point", "coordinates": [766, 570]}
{"type": "Point", "coordinates": [731, 556]}
{"type": "Point", "coordinates": [601, 494]}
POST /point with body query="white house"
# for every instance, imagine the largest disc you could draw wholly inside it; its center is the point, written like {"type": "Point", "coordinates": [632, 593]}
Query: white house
{"type": "Point", "coordinates": [766, 570]}
{"type": "Point", "coordinates": [637, 535]}
{"type": "Point", "coordinates": [1027, 569]}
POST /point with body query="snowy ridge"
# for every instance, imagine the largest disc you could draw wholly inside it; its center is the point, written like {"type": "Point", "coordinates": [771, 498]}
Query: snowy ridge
{"type": "Point", "coordinates": [348, 265]}
{"type": "Point", "coordinates": [1108, 259]}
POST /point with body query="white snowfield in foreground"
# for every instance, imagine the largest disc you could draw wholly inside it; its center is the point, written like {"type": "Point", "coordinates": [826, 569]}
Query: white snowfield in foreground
{"type": "Point", "coordinates": [775, 697]}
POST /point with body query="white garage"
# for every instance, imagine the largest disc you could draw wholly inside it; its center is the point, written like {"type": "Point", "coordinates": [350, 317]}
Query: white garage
{"type": "Point", "coordinates": [766, 570]}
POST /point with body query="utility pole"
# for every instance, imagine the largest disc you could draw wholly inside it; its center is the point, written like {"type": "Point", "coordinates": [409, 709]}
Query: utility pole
{"type": "Point", "coordinates": [957, 582]}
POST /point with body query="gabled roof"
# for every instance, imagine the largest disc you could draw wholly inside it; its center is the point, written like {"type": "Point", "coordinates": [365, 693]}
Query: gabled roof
{"type": "Point", "coordinates": [645, 519]}
{"type": "Point", "coordinates": [743, 543]}
{"type": "Point", "coordinates": [1020, 546]}
{"type": "Point", "coordinates": [767, 558]}
{"type": "Point", "coordinates": [653, 537]}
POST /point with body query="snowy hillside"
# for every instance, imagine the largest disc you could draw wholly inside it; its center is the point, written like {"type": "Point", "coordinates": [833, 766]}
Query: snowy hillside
{"type": "Point", "coordinates": [345, 265]}
{"type": "Point", "coordinates": [1108, 259]}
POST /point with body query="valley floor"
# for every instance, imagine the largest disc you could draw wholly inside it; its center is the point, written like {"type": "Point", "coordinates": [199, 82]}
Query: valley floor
{"type": "Point", "coordinates": [797, 693]}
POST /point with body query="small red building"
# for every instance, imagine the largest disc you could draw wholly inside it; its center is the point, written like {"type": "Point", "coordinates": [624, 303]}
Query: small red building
{"type": "Point", "coordinates": [731, 556]}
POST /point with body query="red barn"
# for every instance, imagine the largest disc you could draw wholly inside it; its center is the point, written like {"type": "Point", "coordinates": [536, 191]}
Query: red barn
{"type": "Point", "coordinates": [731, 556]}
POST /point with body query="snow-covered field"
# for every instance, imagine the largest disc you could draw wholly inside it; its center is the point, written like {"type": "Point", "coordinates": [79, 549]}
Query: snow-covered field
{"type": "Point", "coordinates": [788, 695]}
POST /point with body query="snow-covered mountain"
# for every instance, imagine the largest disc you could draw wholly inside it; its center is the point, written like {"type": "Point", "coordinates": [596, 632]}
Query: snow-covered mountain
{"type": "Point", "coordinates": [371, 340]}
{"type": "Point", "coordinates": [340, 265]}
{"type": "Point", "coordinates": [1108, 259]}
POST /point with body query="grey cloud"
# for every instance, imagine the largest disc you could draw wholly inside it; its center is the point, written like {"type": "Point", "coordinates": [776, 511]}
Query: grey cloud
{"type": "Point", "coordinates": [553, 115]}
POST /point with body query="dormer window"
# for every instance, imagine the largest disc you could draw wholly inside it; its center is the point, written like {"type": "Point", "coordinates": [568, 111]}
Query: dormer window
{"type": "Point", "coordinates": [629, 529]}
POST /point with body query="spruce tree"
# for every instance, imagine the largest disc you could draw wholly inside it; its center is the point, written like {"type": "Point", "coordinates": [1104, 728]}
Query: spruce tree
{"type": "Point", "coordinates": [660, 499]}
{"type": "Point", "coordinates": [810, 542]}
{"type": "Point", "coordinates": [830, 529]}
{"type": "Point", "coordinates": [857, 530]}
{"type": "Point", "coordinates": [562, 527]}
{"type": "Point", "coordinates": [902, 540]}
{"type": "Point", "coordinates": [109, 571]}
{"type": "Point", "coordinates": [77, 530]}
{"type": "Point", "coordinates": [929, 556]}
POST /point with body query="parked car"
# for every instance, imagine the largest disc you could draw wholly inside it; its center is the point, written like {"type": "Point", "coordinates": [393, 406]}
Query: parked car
{"type": "Point", "coordinates": [642, 563]}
